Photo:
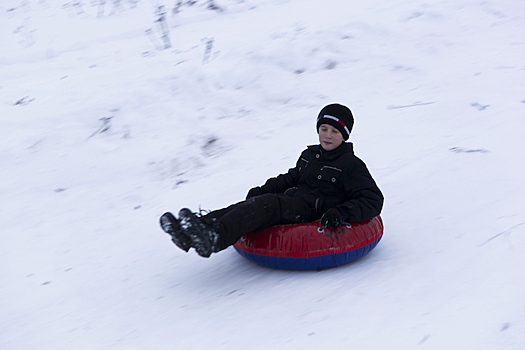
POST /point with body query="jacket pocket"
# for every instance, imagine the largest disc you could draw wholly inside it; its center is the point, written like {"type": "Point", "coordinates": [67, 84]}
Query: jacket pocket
{"type": "Point", "coordinates": [330, 181]}
{"type": "Point", "coordinates": [302, 164]}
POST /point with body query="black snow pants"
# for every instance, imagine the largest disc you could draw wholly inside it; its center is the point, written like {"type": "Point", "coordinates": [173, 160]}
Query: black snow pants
{"type": "Point", "coordinates": [258, 213]}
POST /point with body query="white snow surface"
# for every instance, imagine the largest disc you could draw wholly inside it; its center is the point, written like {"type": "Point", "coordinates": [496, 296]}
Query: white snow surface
{"type": "Point", "coordinates": [103, 129]}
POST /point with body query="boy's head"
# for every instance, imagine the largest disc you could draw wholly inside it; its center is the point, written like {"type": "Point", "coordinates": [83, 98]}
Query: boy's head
{"type": "Point", "coordinates": [338, 116]}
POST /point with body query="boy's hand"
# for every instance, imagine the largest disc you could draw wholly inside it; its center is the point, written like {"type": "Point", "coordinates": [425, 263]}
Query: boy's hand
{"type": "Point", "coordinates": [254, 192]}
{"type": "Point", "coordinates": [332, 218]}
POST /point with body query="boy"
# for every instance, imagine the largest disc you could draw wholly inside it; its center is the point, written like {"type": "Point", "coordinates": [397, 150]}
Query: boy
{"type": "Point", "coordinates": [328, 182]}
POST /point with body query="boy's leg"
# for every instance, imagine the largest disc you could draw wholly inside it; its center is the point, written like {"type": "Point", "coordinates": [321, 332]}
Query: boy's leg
{"type": "Point", "coordinates": [258, 213]}
{"type": "Point", "coordinates": [215, 215]}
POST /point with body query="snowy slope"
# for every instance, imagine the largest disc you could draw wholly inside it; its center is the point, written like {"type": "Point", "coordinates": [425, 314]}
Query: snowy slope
{"type": "Point", "coordinates": [102, 129]}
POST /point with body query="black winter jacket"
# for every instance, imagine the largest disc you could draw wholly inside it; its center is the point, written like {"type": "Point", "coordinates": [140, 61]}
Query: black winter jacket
{"type": "Point", "coordinates": [328, 179]}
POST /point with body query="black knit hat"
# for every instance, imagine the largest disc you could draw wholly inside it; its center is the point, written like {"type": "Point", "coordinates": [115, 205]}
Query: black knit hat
{"type": "Point", "coordinates": [339, 116]}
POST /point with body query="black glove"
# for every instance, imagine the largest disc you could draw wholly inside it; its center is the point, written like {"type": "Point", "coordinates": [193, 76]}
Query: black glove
{"type": "Point", "coordinates": [332, 218]}
{"type": "Point", "coordinates": [254, 192]}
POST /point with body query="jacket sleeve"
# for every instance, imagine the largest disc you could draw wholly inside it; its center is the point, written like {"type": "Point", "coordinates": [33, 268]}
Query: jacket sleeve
{"type": "Point", "coordinates": [365, 199]}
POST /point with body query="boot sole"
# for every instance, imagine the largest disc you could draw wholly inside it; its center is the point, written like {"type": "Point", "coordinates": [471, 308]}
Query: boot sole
{"type": "Point", "coordinates": [171, 226]}
{"type": "Point", "coordinates": [199, 233]}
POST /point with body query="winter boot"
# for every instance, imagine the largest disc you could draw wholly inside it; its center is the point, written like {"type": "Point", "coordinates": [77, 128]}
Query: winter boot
{"type": "Point", "coordinates": [171, 226]}
{"type": "Point", "coordinates": [204, 235]}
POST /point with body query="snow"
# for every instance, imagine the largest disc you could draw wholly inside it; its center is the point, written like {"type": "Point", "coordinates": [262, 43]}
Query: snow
{"type": "Point", "coordinates": [102, 130]}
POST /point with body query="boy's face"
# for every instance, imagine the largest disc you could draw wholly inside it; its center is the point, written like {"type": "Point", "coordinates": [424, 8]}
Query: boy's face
{"type": "Point", "coordinates": [329, 137]}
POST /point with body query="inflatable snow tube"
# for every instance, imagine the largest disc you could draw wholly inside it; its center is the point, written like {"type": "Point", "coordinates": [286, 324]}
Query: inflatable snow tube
{"type": "Point", "coordinates": [308, 247]}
